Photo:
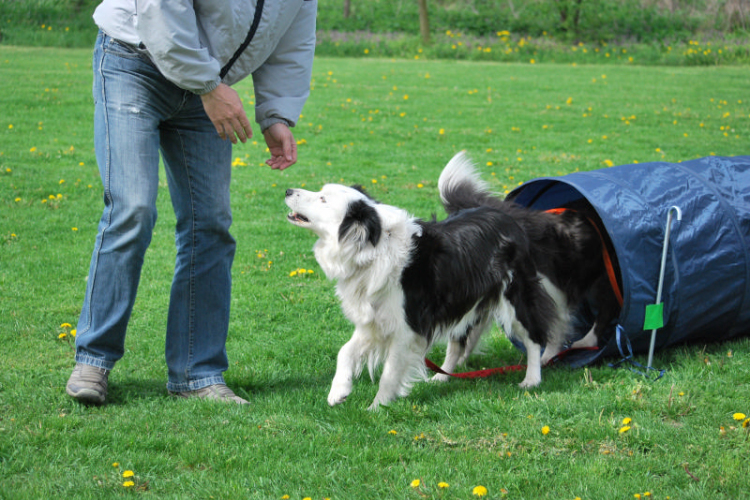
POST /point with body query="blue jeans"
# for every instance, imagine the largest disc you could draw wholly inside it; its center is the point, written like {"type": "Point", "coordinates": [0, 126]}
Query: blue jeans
{"type": "Point", "coordinates": [139, 113]}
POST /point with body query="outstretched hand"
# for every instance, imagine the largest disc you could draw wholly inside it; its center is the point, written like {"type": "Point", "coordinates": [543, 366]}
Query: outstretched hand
{"type": "Point", "coordinates": [282, 146]}
{"type": "Point", "coordinates": [224, 108]}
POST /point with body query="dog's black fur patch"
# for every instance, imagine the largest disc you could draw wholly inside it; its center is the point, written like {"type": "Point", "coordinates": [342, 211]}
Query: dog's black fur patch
{"type": "Point", "coordinates": [361, 215]}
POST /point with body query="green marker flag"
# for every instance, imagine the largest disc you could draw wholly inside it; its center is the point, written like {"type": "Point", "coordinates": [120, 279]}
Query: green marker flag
{"type": "Point", "coordinates": [654, 317]}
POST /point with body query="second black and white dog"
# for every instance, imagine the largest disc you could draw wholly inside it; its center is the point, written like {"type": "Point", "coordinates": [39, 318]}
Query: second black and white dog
{"type": "Point", "coordinates": [406, 283]}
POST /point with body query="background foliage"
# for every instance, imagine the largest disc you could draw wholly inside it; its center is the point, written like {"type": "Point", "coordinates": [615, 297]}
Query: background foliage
{"type": "Point", "coordinates": [702, 32]}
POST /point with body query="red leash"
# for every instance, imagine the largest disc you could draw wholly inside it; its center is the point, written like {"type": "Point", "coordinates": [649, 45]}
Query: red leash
{"type": "Point", "coordinates": [477, 374]}
{"type": "Point", "coordinates": [503, 369]}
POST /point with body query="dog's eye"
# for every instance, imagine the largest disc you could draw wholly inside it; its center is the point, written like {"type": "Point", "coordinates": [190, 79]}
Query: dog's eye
{"type": "Point", "coordinates": [323, 199]}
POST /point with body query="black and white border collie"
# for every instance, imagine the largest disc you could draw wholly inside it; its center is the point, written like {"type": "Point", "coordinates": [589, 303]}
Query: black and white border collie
{"type": "Point", "coordinates": [406, 283]}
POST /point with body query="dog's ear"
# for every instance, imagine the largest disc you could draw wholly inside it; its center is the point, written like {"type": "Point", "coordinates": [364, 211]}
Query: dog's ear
{"type": "Point", "coordinates": [361, 221]}
{"type": "Point", "coordinates": [361, 189]}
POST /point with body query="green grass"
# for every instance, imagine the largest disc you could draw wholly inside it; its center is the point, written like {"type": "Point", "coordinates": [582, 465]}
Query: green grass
{"type": "Point", "coordinates": [519, 122]}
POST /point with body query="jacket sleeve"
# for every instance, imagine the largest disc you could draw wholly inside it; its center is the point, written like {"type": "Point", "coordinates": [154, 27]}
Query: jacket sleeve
{"type": "Point", "coordinates": [170, 32]}
{"type": "Point", "coordinates": [282, 82]}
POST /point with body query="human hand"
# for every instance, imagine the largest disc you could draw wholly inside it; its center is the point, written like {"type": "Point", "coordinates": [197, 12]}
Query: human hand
{"type": "Point", "coordinates": [282, 146]}
{"type": "Point", "coordinates": [224, 108]}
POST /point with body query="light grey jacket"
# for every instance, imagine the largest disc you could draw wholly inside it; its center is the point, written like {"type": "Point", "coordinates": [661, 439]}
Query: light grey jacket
{"type": "Point", "coordinates": [191, 40]}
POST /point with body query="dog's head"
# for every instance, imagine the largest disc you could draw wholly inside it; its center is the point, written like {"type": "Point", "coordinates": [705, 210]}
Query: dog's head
{"type": "Point", "coordinates": [336, 211]}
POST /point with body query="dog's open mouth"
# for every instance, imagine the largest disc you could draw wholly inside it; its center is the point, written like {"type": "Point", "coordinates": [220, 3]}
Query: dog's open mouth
{"type": "Point", "coordinates": [297, 218]}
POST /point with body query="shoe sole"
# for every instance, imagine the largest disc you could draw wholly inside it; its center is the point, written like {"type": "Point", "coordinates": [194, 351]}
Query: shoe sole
{"type": "Point", "coordinates": [86, 396]}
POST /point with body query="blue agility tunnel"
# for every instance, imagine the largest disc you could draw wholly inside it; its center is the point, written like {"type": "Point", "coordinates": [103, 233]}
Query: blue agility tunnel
{"type": "Point", "coordinates": [706, 284]}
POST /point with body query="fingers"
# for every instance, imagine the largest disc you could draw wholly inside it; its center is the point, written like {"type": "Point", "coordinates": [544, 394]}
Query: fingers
{"type": "Point", "coordinates": [282, 146]}
{"type": "Point", "coordinates": [224, 108]}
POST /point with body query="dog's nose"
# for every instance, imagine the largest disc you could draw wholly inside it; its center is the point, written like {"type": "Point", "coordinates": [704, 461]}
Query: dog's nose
{"type": "Point", "coordinates": [289, 192]}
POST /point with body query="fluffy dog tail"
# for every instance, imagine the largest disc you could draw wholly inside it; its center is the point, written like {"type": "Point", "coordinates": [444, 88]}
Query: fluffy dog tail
{"type": "Point", "coordinates": [461, 187]}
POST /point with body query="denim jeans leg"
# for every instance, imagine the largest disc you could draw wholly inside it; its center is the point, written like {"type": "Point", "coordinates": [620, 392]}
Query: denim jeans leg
{"type": "Point", "coordinates": [198, 165]}
{"type": "Point", "coordinates": [126, 145]}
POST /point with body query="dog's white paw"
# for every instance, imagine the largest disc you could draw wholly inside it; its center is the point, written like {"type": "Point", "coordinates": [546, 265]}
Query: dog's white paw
{"type": "Point", "coordinates": [440, 377]}
{"type": "Point", "coordinates": [530, 382]}
{"type": "Point", "coordinates": [374, 406]}
{"type": "Point", "coordinates": [339, 393]}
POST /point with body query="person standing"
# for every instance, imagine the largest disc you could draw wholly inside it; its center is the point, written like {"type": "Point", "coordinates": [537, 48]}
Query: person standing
{"type": "Point", "coordinates": [163, 72]}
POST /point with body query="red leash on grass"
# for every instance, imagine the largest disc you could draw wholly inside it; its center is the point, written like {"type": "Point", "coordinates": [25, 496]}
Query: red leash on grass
{"type": "Point", "coordinates": [502, 369]}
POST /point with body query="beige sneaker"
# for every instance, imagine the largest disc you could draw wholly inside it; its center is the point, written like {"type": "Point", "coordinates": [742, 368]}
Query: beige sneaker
{"type": "Point", "coordinates": [88, 384]}
{"type": "Point", "coordinates": [219, 392]}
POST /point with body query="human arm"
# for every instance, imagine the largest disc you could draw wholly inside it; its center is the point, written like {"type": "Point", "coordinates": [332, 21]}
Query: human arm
{"type": "Point", "coordinates": [281, 145]}
{"type": "Point", "coordinates": [282, 82]}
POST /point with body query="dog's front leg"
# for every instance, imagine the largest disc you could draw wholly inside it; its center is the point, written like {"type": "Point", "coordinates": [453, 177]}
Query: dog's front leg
{"type": "Point", "coordinates": [533, 365]}
{"type": "Point", "coordinates": [404, 364]}
{"type": "Point", "coordinates": [348, 365]}
{"type": "Point", "coordinates": [453, 353]}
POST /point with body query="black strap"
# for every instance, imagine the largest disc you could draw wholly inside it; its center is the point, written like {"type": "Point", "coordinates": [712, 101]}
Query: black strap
{"type": "Point", "coordinates": [248, 39]}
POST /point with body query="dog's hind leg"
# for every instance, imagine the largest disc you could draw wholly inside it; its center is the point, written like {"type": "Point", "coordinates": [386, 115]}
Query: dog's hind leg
{"type": "Point", "coordinates": [590, 340]}
{"type": "Point", "coordinates": [458, 351]}
{"type": "Point", "coordinates": [404, 364]}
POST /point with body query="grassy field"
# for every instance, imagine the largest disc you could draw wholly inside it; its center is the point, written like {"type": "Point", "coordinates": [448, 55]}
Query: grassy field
{"type": "Point", "coordinates": [391, 125]}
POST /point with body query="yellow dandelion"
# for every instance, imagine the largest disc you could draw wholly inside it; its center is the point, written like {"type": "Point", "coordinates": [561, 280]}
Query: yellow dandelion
{"type": "Point", "coordinates": [420, 185]}
{"type": "Point", "coordinates": [545, 430]}
{"type": "Point", "coordinates": [65, 325]}
{"type": "Point", "coordinates": [32, 149]}
{"type": "Point", "coordinates": [392, 431]}
{"type": "Point", "coordinates": [626, 421]}
{"type": "Point", "coordinates": [128, 484]}
{"type": "Point", "coordinates": [10, 126]}
{"type": "Point", "coordinates": [74, 229]}
{"type": "Point", "coordinates": [73, 332]}
{"type": "Point", "coordinates": [624, 429]}
{"type": "Point", "coordinates": [609, 163]}
{"type": "Point", "coordinates": [115, 464]}
{"type": "Point", "coordinates": [62, 335]}
{"type": "Point", "coordinates": [406, 97]}
{"type": "Point", "coordinates": [415, 483]}
{"type": "Point", "coordinates": [441, 131]}
{"type": "Point", "coordinates": [746, 423]}
{"type": "Point", "coordinates": [479, 491]}
{"type": "Point", "coordinates": [128, 473]}
{"type": "Point", "coordinates": [443, 485]}
{"type": "Point", "coordinates": [739, 416]}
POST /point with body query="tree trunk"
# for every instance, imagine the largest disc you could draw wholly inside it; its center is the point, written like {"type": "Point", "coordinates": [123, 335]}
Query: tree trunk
{"type": "Point", "coordinates": [347, 8]}
{"type": "Point", "coordinates": [424, 22]}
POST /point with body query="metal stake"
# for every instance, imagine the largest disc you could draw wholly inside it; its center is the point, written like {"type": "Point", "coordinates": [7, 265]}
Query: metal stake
{"type": "Point", "coordinates": [660, 288]}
